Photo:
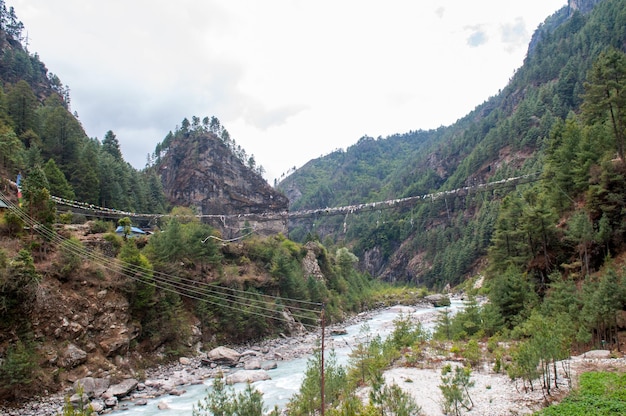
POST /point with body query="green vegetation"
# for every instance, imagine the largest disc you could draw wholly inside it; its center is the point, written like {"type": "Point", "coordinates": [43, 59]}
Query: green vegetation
{"type": "Point", "coordinates": [455, 385]}
{"type": "Point", "coordinates": [551, 121]}
{"type": "Point", "coordinates": [601, 394]}
{"type": "Point", "coordinates": [223, 401]}
{"type": "Point", "coordinates": [549, 250]}
{"type": "Point", "coordinates": [82, 408]}
{"type": "Point", "coordinates": [368, 361]}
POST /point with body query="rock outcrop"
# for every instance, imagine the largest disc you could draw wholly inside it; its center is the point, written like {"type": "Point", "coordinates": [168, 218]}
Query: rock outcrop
{"type": "Point", "coordinates": [201, 172]}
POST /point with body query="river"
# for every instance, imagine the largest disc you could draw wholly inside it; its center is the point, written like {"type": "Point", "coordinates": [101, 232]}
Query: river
{"type": "Point", "coordinates": [287, 377]}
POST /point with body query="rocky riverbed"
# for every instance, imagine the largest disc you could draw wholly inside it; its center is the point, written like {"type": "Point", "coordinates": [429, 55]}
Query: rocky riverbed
{"type": "Point", "coordinates": [172, 379]}
{"type": "Point", "coordinates": [492, 394]}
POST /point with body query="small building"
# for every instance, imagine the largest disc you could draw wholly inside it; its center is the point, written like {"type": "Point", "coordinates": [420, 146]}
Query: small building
{"type": "Point", "coordinates": [134, 231]}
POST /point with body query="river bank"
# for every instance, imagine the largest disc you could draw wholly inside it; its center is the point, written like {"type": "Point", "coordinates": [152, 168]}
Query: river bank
{"type": "Point", "coordinates": [172, 389]}
{"type": "Point", "coordinates": [175, 378]}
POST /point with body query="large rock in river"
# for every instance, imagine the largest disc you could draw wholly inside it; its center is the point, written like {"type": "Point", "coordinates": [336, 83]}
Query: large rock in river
{"type": "Point", "coordinates": [438, 299]}
{"type": "Point", "coordinates": [224, 356]}
{"type": "Point", "coordinates": [121, 389]}
{"type": "Point", "coordinates": [247, 376]}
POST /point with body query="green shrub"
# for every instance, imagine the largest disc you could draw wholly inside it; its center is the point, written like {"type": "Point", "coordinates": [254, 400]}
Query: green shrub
{"type": "Point", "coordinates": [17, 369]}
{"type": "Point", "coordinates": [66, 218]}
{"type": "Point", "coordinates": [454, 387]}
{"type": "Point", "coordinates": [223, 401]}
{"type": "Point", "coordinates": [99, 226]}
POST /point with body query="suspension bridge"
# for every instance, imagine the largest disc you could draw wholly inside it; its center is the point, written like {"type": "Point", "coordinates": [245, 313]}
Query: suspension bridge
{"type": "Point", "coordinates": [97, 211]}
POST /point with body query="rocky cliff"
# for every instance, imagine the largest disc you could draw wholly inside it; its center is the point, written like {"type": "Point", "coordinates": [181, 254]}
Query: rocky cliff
{"type": "Point", "coordinates": [201, 172]}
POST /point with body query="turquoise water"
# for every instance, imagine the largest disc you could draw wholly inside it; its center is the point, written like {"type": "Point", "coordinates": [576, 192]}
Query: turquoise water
{"type": "Point", "coordinates": [287, 377]}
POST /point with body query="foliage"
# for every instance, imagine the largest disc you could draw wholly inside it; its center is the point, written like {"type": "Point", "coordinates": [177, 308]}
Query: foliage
{"type": "Point", "coordinates": [70, 259]}
{"type": "Point", "coordinates": [82, 408]}
{"type": "Point", "coordinates": [547, 340]}
{"type": "Point", "coordinates": [392, 400]}
{"type": "Point", "coordinates": [17, 369]}
{"type": "Point", "coordinates": [18, 284]}
{"type": "Point", "coordinates": [598, 393]}
{"type": "Point", "coordinates": [141, 285]}
{"type": "Point", "coordinates": [512, 296]}
{"type": "Point", "coordinates": [407, 332]}
{"type": "Point", "coordinates": [223, 401]}
{"type": "Point", "coordinates": [467, 322]}
{"type": "Point", "coordinates": [605, 95]}
{"type": "Point", "coordinates": [308, 400]}
{"type": "Point", "coordinates": [369, 359]}
{"type": "Point", "coordinates": [100, 226]}
{"type": "Point", "coordinates": [455, 385]}
{"type": "Point", "coordinates": [37, 202]}
{"type": "Point", "coordinates": [533, 126]}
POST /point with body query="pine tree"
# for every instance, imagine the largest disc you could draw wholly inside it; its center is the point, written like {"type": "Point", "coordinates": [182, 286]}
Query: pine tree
{"type": "Point", "coordinates": [605, 95]}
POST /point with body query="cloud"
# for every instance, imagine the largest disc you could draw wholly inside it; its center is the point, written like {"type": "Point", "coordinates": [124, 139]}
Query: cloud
{"type": "Point", "coordinates": [478, 36]}
{"type": "Point", "coordinates": [514, 34]}
{"type": "Point", "coordinates": [263, 118]}
{"type": "Point", "coordinates": [308, 76]}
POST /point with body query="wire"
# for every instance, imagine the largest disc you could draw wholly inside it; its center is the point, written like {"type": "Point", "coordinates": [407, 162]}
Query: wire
{"type": "Point", "coordinates": [213, 294]}
{"type": "Point", "coordinates": [201, 291]}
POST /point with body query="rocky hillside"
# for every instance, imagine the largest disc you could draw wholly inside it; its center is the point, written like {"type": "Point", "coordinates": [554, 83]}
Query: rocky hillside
{"type": "Point", "coordinates": [73, 312]}
{"type": "Point", "coordinates": [200, 171]}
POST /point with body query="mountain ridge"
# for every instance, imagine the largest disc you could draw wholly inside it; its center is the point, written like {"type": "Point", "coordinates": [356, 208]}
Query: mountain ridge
{"type": "Point", "coordinates": [504, 136]}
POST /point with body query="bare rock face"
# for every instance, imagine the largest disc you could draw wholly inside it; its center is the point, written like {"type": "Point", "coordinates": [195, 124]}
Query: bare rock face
{"type": "Point", "coordinates": [584, 6]}
{"type": "Point", "coordinates": [201, 172]}
{"type": "Point", "coordinates": [309, 263]}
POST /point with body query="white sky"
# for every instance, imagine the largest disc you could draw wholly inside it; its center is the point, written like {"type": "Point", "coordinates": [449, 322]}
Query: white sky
{"type": "Point", "coordinates": [291, 80]}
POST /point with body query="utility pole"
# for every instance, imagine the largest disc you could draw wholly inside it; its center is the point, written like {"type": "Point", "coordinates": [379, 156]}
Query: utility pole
{"type": "Point", "coordinates": [322, 360]}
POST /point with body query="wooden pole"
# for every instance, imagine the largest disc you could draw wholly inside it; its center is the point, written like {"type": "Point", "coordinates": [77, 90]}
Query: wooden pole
{"type": "Point", "coordinates": [323, 405]}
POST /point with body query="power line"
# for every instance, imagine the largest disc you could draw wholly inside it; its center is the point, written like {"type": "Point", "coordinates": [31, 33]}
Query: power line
{"type": "Point", "coordinates": [197, 290]}
{"type": "Point", "coordinates": [213, 294]}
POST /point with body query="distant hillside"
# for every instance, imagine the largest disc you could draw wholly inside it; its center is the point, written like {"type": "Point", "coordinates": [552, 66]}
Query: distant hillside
{"type": "Point", "coordinates": [508, 135]}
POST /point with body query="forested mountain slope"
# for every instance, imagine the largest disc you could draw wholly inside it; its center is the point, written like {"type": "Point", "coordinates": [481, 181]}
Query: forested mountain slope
{"type": "Point", "coordinates": [513, 133]}
{"type": "Point", "coordinates": [79, 298]}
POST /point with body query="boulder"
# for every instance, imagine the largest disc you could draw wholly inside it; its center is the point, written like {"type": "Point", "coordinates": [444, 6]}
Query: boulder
{"type": "Point", "coordinates": [596, 354]}
{"type": "Point", "coordinates": [111, 402]}
{"type": "Point", "coordinates": [294, 328]}
{"type": "Point", "coordinates": [92, 387]}
{"type": "Point", "coordinates": [122, 389]}
{"type": "Point", "coordinates": [438, 300]}
{"type": "Point", "coordinates": [224, 356]}
{"type": "Point", "coordinates": [73, 356]}
{"type": "Point", "coordinates": [247, 376]}
{"type": "Point", "coordinates": [79, 400]}
{"type": "Point", "coordinates": [97, 405]}
{"type": "Point", "coordinates": [253, 364]}
{"type": "Point", "coordinates": [115, 343]}
{"type": "Point", "coordinates": [270, 365]}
